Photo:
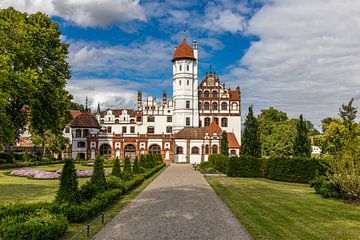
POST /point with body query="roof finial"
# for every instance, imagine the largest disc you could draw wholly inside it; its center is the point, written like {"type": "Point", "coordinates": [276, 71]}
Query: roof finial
{"type": "Point", "coordinates": [210, 68]}
{"type": "Point", "coordinates": [184, 30]}
{"type": "Point", "coordinates": [86, 103]}
{"type": "Point", "coordinates": [98, 108]}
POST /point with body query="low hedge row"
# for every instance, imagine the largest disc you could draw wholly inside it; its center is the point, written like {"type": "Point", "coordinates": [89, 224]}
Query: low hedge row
{"type": "Point", "coordinates": [38, 225]}
{"type": "Point", "coordinates": [299, 170]}
{"type": "Point", "coordinates": [29, 164]}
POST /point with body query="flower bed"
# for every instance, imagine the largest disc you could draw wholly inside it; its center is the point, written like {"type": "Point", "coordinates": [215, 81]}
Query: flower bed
{"type": "Point", "coordinates": [41, 174]}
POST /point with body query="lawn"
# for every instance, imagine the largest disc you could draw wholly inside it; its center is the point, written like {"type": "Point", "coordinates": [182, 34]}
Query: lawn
{"type": "Point", "coordinates": [21, 189]}
{"type": "Point", "coordinates": [278, 210]}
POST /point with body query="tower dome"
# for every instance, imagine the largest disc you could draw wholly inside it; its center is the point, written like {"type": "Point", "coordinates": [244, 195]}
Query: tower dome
{"type": "Point", "coordinates": [183, 51]}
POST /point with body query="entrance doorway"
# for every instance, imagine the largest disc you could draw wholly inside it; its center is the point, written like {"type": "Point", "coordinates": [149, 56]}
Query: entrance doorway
{"type": "Point", "coordinates": [130, 151]}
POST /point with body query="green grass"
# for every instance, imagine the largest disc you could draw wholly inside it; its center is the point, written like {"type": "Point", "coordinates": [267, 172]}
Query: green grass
{"type": "Point", "coordinates": [15, 189]}
{"type": "Point", "coordinates": [278, 210]}
{"type": "Point", "coordinates": [110, 212]}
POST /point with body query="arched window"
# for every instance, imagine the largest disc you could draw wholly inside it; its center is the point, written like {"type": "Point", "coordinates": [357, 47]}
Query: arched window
{"type": "Point", "coordinates": [234, 106]}
{"type": "Point", "coordinates": [216, 120]}
{"type": "Point", "coordinates": [206, 94]}
{"type": "Point", "coordinates": [132, 120]}
{"type": "Point", "coordinates": [85, 133]}
{"type": "Point", "coordinates": [116, 120]}
{"type": "Point", "coordinates": [154, 149]}
{"type": "Point", "coordinates": [150, 130]}
{"type": "Point", "coordinates": [195, 150]}
{"type": "Point", "coordinates": [224, 122]}
{"type": "Point", "coordinates": [214, 149]}
{"type": "Point", "coordinates": [130, 151]}
{"type": "Point", "coordinates": [179, 150]}
{"type": "Point", "coordinates": [102, 121]}
{"type": "Point", "coordinates": [199, 94]}
{"type": "Point", "coordinates": [78, 133]}
{"type": "Point", "coordinates": [214, 94]}
{"type": "Point", "coordinates": [180, 68]}
{"type": "Point", "coordinates": [105, 149]}
{"type": "Point", "coordinates": [214, 106]}
{"type": "Point", "coordinates": [199, 105]}
{"type": "Point", "coordinates": [206, 106]}
{"type": "Point", "coordinates": [206, 149]}
{"type": "Point", "coordinates": [206, 122]}
{"type": "Point", "coordinates": [223, 106]}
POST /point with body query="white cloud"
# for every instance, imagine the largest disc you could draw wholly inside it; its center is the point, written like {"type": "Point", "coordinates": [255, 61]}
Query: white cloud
{"type": "Point", "coordinates": [84, 13]}
{"type": "Point", "coordinates": [225, 21]}
{"type": "Point", "coordinates": [307, 58]}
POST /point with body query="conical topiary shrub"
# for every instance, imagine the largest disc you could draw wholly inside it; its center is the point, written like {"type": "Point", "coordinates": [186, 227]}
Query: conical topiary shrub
{"type": "Point", "coordinates": [116, 171]}
{"type": "Point", "coordinates": [126, 174]}
{"type": "Point", "coordinates": [136, 166]}
{"type": "Point", "coordinates": [98, 177]}
{"type": "Point", "coordinates": [68, 191]}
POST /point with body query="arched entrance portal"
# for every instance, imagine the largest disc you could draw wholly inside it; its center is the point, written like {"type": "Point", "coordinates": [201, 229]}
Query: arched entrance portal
{"type": "Point", "coordinates": [130, 151]}
{"type": "Point", "coordinates": [155, 149]}
{"type": "Point", "coordinates": [105, 149]}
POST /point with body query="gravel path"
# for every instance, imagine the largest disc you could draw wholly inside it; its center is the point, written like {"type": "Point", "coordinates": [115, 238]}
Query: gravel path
{"type": "Point", "coordinates": [178, 204]}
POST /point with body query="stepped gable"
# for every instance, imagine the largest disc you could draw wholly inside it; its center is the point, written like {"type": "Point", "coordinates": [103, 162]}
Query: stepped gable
{"type": "Point", "coordinates": [234, 95]}
{"type": "Point", "coordinates": [213, 128]}
{"type": "Point", "coordinates": [117, 112]}
{"type": "Point", "coordinates": [232, 141]}
{"type": "Point", "coordinates": [85, 120]}
{"type": "Point", "coordinates": [183, 51]}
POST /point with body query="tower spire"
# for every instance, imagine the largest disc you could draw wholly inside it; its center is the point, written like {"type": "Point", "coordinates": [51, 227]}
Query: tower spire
{"type": "Point", "coordinates": [98, 108]}
{"type": "Point", "coordinates": [184, 31]}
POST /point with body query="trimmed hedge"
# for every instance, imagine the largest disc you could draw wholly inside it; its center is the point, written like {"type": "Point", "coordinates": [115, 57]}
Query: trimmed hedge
{"type": "Point", "coordinates": [28, 164]}
{"type": "Point", "coordinates": [244, 166]}
{"type": "Point", "coordinates": [299, 170]}
{"type": "Point", "coordinates": [219, 162]}
{"type": "Point", "coordinates": [38, 225]}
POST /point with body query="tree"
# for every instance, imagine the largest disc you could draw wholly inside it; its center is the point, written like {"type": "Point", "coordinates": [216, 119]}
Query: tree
{"type": "Point", "coordinates": [136, 166]}
{"type": "Point", "coordinates": [224, 144]}
{"type": "Point", "coordinates": [33, 80]}
{"type": "Point", "coordinates": [302, 147]}
{"type": "Point", "coordinates": [126, 174]}
{"type": "Point", "coordinates": [98, 176]}
{"type": "Point", "coordinates": [325, 123]}
{"type": "Point", "coordinates": [142, 161]}
{"type": "Point", "coordinates": [68, 191]}
{"type": "Point", "coordinates": [250, 140]}
{"type": "Point", "coordinates": [116, 171]}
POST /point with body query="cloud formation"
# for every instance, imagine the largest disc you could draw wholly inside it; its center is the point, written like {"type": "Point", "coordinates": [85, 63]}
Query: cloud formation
{"type": "Point", "coordinates": [307, 58]}
{"type": "Point", "coordinates": [99, 13]}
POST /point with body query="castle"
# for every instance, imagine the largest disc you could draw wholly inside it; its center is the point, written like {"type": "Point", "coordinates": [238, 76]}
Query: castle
{"type": "Point", "coordinates": [186, 128]}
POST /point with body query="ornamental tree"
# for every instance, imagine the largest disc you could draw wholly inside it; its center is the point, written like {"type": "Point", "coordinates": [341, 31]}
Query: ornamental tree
{"type": "Point", "coordinates": [250, 140]}
{"type": "Point", "coordinates": [68, 190]}
{"type": "Point", "coordinates": [126, 174]}
{"type": "Point", "coordinates": [116, 171]}
{"type": "Point", "coordinates": [136, 169]}
{"type": "Point", "coordinates": [302, 147]}
{"type": "Point", "coordinates": [98, 177]}
{"type": "Point", "coordinates": [33, 74]}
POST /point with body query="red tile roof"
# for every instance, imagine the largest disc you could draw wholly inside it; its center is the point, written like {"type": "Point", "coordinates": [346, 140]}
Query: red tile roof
{"type": "Point", "coordinates": [74, 113]}
{"type": "Point", "coordinates": [213, 128]}
{"type": "Point", "coordinates": [183, 51]}
{"type": "Point", "coordinates": [85, 120]}
{"type": "Point", "coordinates": [232, 141]}
{"type": "Point", "coordinates": [191, 133]}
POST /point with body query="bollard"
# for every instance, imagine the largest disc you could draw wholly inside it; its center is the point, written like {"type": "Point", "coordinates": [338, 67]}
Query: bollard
{"type": "Point", "coordinates": [87, 230]}
{"type": "Point", "coordinates": [102, 217]}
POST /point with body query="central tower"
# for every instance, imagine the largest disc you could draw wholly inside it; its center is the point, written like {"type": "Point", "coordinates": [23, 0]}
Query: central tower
{"type": "Point", "coordinates": [185, 86]}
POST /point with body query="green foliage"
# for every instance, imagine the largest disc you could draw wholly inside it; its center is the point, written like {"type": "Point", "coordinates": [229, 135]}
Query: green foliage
{"type": "Point", "coordinates": [224, 144]}
{"type": "Point", "coordinates": [219, 162]}
{"type": "Point", "coordinates": [26, 156]}
{"type": "Point", "coordinates": [38, 225]}
{"type": "Point", "coordinates": [244, 166]}
{"type": "Point", "coordinates": [68, 190]}
{"type": "Point", "coordinates": [250, 140]}
{"type": "Point", "coordinates": [136, 169]}
{"type": "Point", "coordinates": [142, 161]}
{"type": "Point", "coordinates": [7, 157]}
{"type": "Point", "coordinates": [204, 165]}
{"type": "Point", "coordinates": [98, 177]}
{"type": "Point", "coordinates": [115, 183]}
{"type": "Point", "coordinates": [116, 171]}
{"type": "Point", "coordinates": [34, 78]}
{"type": "Point", "coordinates": [300, 170]}
{"type": "Point", "coordinates": [302, 147]}
{"type": "Point", "coordinates": [88, 191]}
{"type": "Point", "coordinates": [127, 173]}
{"type": "Point", "coordinates": [324, 187]}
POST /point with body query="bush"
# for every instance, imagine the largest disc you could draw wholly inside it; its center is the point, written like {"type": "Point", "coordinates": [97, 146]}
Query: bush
{"type": "Point", "coordinates": [116, 171]}
{"type": "Point", "coordinates": [326, 188]}
{"type": "Point", "coordinates": [244, 166]}
{"type": "Point", "coordinates": [204, 165]}
{"type": "Point", "coordinates": [7, 157]}
{"type": "Point", "coordinates": [142, 161]}
{"type": "Point", "coordinates": [136, 169]}
{"type": "Point", "coordinates": [68, 190]}
{"type": "Point", "coordinates": [210, 170]}
{"type": "Point", "coordinates": [127, 174]}
{"type": "Point", "coordinates": [38, 225]}
{"type": "Point", "coordinates": [98, 177]}
{"type": "Point", "coordinates": [88, 191]}
{"type": "Point", "coordinates": [300, 170]}
{"type": "Point", "coordinates": [219, 162]}
{"type": "Point", "coordinates": [115, 183]}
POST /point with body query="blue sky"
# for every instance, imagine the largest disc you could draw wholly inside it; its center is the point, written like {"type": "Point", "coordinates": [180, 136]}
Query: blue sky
{"type": "Point", "coordinates": [300, 56]}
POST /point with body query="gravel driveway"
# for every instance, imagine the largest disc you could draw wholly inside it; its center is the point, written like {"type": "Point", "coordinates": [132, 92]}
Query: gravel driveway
{"type": "Point", "coordinates": [178, 204]}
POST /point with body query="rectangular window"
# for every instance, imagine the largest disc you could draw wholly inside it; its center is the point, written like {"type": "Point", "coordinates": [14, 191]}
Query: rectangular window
{"type": "Point", "coordinates": [150, 130]}
{"type": "Point", "coordinates": [81, 144]}
{"type": "Point", "coordinates": [132, 129]}
{"type": "Point", "coordinates": [123, 129]}
{"type": "Point", "coordinates": [187, 104]}
{"type": "Point", "coordinates": [187, 68]}
{"type": "Point", "coordinates": [151, 119]}
{"type": "Point", "coordinates": [138, 119]}
{"type": "Point", "coordinates": [108, 129]}
{"type": "Point", "coordinates": [187, 82]}
{"type": "Point", "coordinates": [168, 129]}
{"type": "Point", "coordinates": [169, 119]}
{"type": "Point", "coordinates": [67, 130]}
{"type": "Point", "coordinates": [187, 121]}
